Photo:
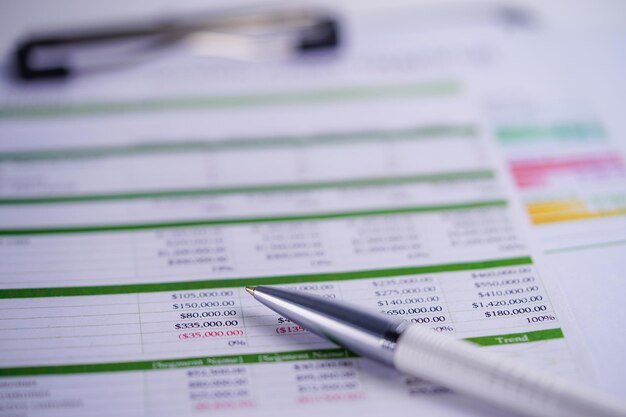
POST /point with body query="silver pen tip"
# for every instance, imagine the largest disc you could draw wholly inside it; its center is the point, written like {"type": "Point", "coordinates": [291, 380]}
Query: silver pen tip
{"type": "Point", "coordinates": [250, 290]}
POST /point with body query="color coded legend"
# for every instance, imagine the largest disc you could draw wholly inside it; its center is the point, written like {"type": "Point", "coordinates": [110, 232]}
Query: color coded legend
{"type": "Point", "coordinates": [568, 210]}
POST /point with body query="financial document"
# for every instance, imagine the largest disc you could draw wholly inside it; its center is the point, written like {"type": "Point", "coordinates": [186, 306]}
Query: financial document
{"type": "Point", "coordinates": [135, 207]}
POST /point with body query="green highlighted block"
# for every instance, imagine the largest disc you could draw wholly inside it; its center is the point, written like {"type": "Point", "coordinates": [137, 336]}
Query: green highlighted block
{"type": "Point", "coordinates": [514, 338]}
{"type": "Point", "coordinates": [574, 131]}
{"type": "Point", "coordinates": [253, 358]}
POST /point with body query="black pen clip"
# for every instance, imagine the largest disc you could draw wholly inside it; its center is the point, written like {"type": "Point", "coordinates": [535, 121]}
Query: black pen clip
{"type": "Point", "coordinates": [53, 55]}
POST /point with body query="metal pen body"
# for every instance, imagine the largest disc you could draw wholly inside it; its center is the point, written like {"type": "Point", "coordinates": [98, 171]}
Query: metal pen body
{"type": "Point", "coordinates": [365, 333]}
{"type": "Point", "coordinates": [456, 364]}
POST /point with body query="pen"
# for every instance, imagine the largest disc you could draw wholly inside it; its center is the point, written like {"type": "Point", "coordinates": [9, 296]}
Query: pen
{"type": "Point", "coordinates": [438, 358]}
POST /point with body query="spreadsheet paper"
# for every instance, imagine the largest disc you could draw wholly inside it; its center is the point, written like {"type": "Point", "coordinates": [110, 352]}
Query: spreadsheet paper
{"type": "Point", "coordinates": [135, 207]}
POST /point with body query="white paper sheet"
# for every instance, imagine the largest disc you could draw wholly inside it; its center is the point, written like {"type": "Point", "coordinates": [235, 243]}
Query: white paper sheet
{"type": "Point", "coordinates": [134, 208]}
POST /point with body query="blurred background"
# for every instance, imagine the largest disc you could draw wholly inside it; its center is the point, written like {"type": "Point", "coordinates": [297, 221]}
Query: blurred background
{"type": "Point", "coordinates": [580, 44]}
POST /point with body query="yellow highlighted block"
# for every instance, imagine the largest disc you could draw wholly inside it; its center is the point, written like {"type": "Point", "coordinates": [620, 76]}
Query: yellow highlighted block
{"type": "Point", "coordinates": [555, 211]}
{"type": "Point", "coordinates": [556, 206]}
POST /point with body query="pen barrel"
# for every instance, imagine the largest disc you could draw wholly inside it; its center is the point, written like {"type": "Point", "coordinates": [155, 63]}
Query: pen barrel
{"type": "Point", "coordinates": [495, 378]}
